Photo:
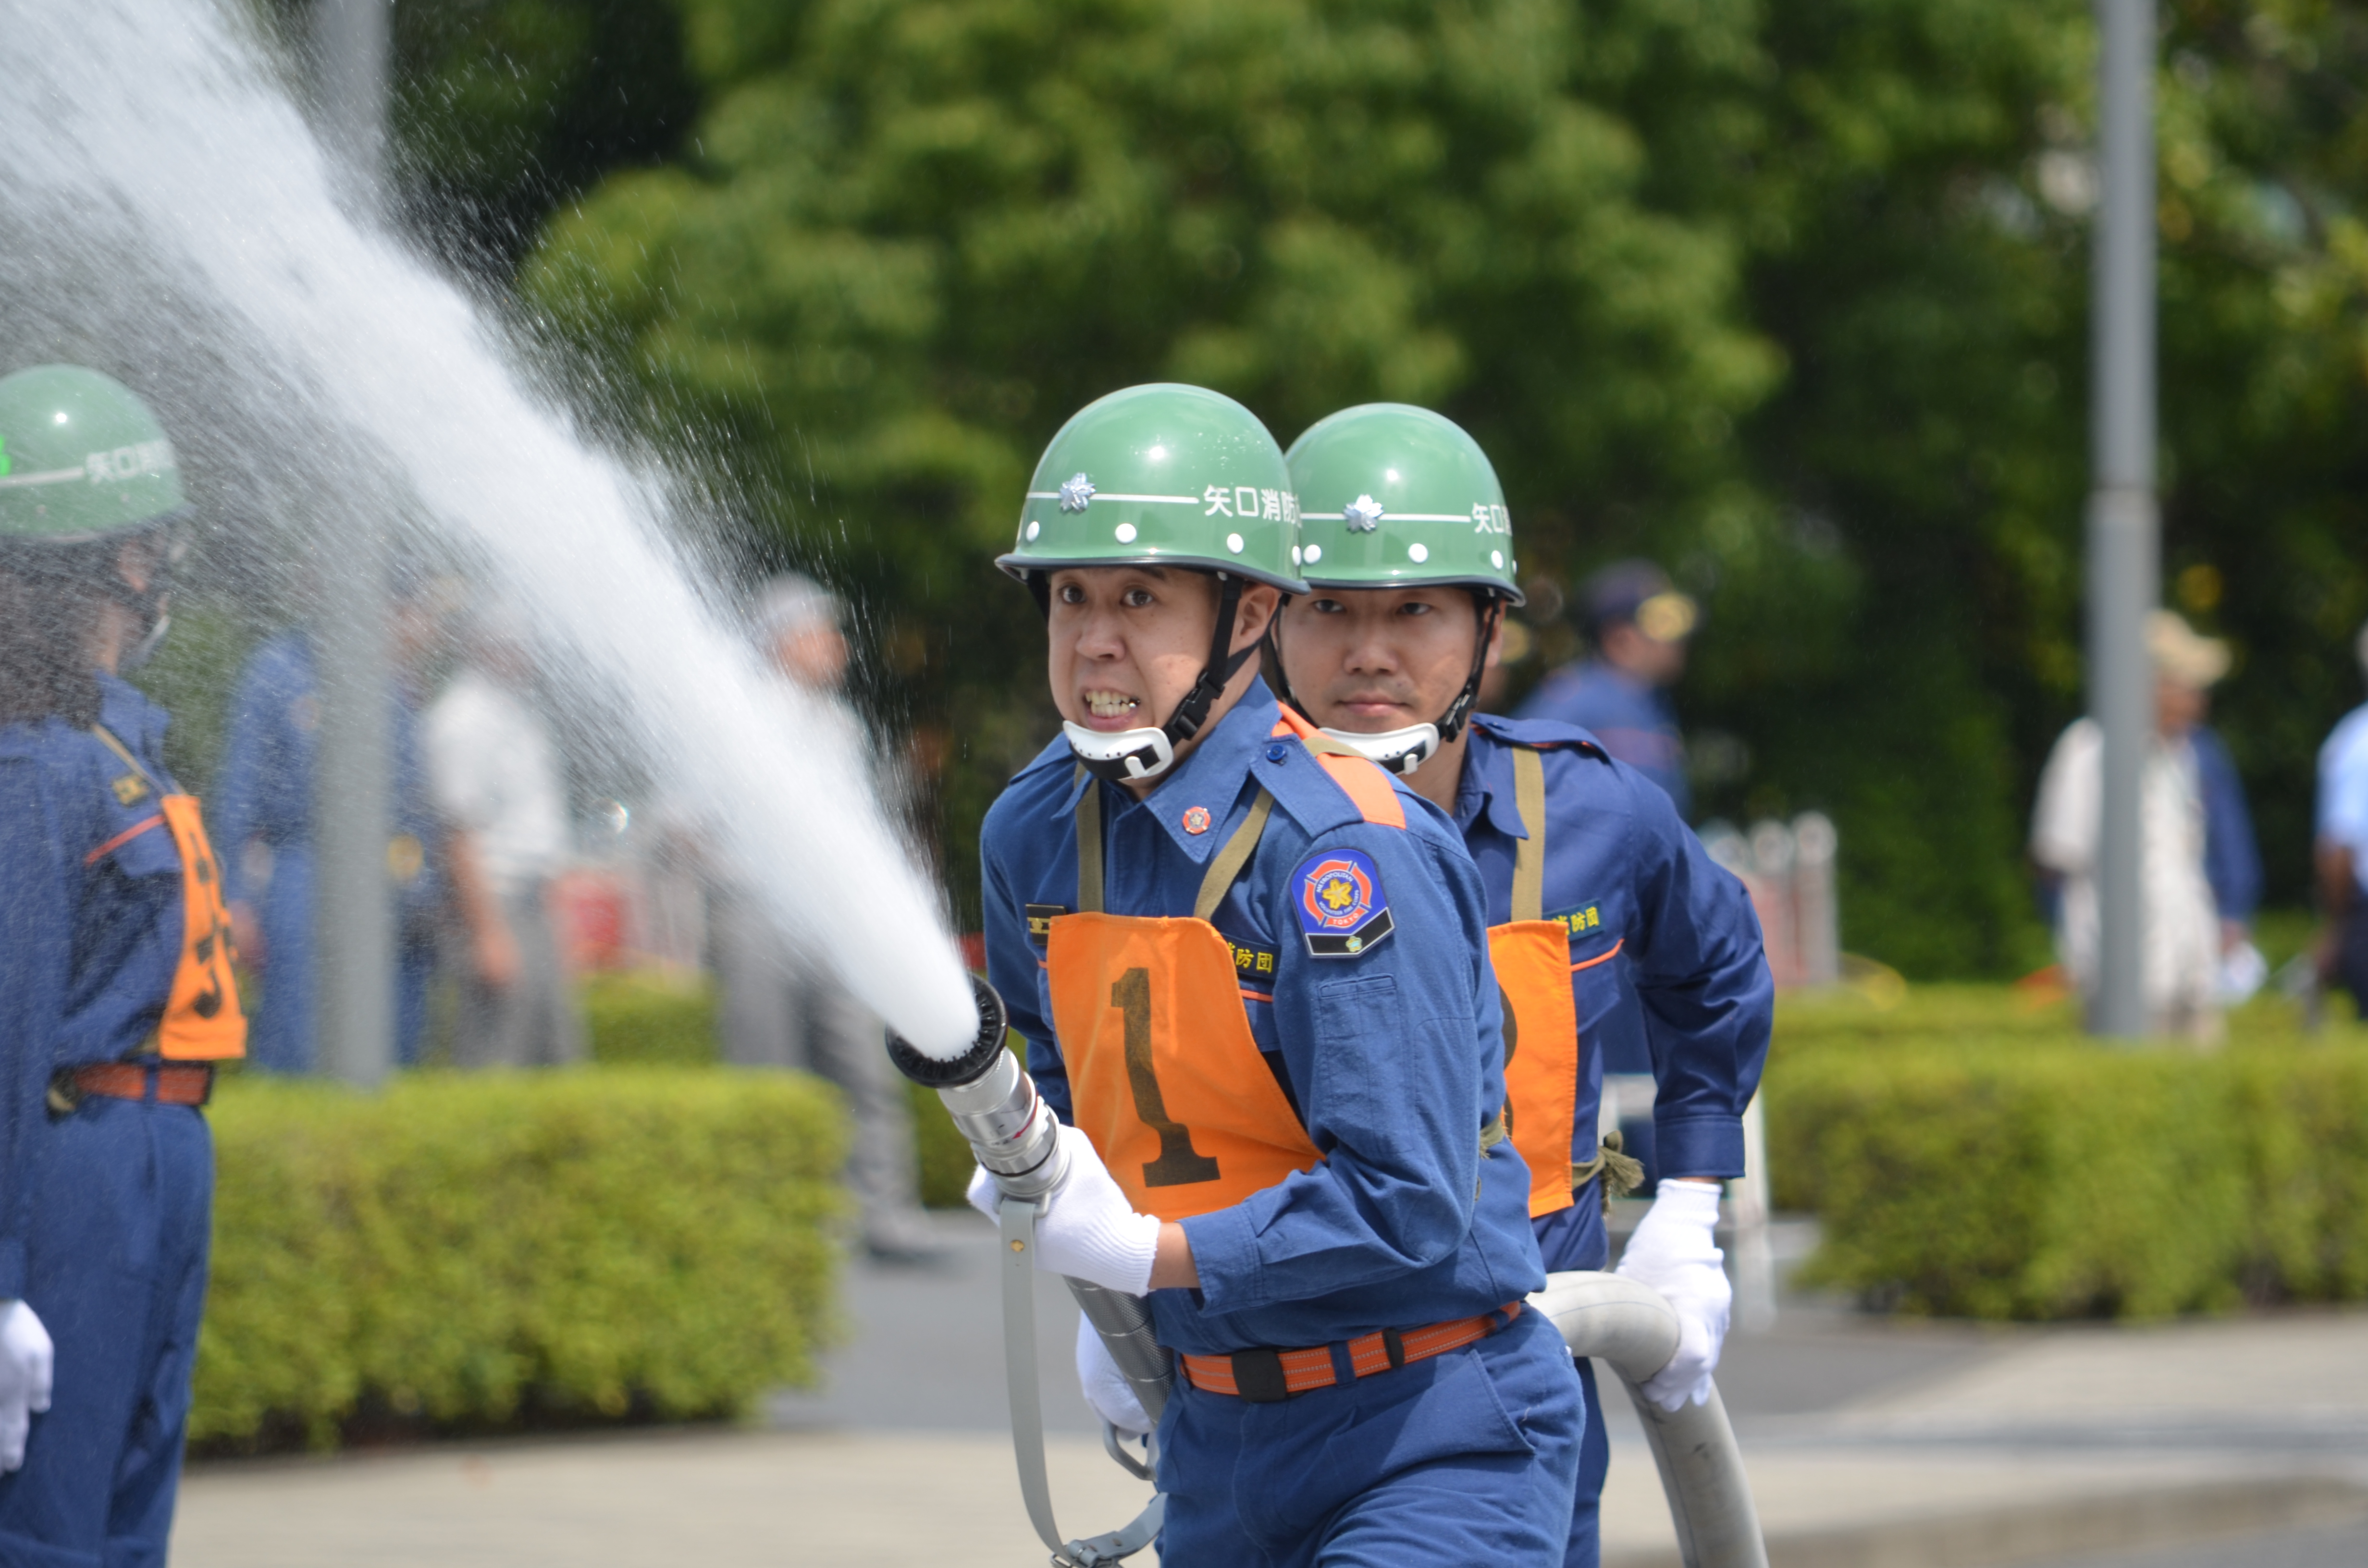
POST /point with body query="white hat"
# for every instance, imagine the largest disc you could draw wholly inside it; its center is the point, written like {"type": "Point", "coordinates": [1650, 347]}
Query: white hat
{"type": "Point", "coordinates": [2179, 655]}
{"type": "Point", "coordinates": [792, 602]}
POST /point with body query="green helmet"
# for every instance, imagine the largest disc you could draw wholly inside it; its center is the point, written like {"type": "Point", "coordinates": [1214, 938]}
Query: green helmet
{"type": "Point", "coordinates": [1396, 497]}
{"type": "Point", "coordinates": [1162, 475]}
{"type": "Point", "coordinates": [80, 458]}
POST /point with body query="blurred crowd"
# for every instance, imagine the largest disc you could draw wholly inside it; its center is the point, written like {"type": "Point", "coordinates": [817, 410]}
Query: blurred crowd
{"type": "Point", "coordinates": [503, 899]}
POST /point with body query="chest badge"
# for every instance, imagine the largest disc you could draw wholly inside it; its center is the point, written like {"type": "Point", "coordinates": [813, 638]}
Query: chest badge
{"type": "Point", "coordinates": [1196, 820]}
{"type": "Point", "coordinates": [1342, 909]}
{"type": "Point", "coordinates": [130, 790]}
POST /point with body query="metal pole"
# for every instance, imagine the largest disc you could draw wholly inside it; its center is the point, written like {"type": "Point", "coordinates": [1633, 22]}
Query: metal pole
{"type": "Point", "coordinates": [2124, 564]}
{"type": "Point", "coordinates": [353, 910]}
{"type": "Point", "coordinates": [350, 48]}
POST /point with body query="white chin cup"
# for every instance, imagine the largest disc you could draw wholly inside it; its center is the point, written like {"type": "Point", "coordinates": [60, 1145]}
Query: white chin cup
{"type": "Point", "coordinates": [1123, 754]}
{"type": "Point", "coordinates": [1398, 751]}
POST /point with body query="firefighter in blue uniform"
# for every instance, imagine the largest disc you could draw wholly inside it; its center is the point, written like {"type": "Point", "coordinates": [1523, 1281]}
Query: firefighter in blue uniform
{"type": "Point", "coordinates": [262, 812]}
{"type": "Point", "coordinates": [1252, 977]}
{"type": "Point", "coordinates": [1408, 553]}
{"type": "Point", "coordinates": [116, 992]}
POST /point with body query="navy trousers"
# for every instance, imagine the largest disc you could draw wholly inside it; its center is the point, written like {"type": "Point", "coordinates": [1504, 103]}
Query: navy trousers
{"type": "Point", "coordinates": [122, 1213]}
{"type": "Point", "coordinates": [1468, 1458]}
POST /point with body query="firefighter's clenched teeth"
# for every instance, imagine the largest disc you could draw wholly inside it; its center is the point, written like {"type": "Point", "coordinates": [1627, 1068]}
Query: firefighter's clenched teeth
{"type": "Point", "coordinates": [1109, 704]}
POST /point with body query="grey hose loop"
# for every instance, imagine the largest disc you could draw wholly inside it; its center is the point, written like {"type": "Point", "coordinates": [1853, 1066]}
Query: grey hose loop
{"type": "Point", "coordinates": [1017, 1219]}
{"type": "Point", "coordinates": [1630, 1328]}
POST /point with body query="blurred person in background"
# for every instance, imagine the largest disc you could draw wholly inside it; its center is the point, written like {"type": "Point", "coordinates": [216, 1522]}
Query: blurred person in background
{"type": "Point", "coordinates": [263, 814]}
{"type": "Point", "coordinates": [2182, 933]}
{"type": "Point", "coordinates": [1638, 625]}
{"type": "Point", "coordinates": [2232, 857]}
{"type": "Point", "coordinates": [494, 772]}
{"type": "Point", "coordinates": [2341, 849]}
{"type": "Point", "coordinates": [784, 1009]}
{"type": "Point", "coordinates": [117, 996]}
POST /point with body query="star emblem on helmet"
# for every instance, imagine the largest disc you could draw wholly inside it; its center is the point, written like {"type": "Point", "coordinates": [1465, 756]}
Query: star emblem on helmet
{"type": "Point", "coordinates": [1364, 515]}
{"type": "Point", "coordinates": [1076, 490]}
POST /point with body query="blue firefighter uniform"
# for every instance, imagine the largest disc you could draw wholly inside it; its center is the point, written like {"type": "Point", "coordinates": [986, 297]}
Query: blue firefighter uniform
{"type": "Point", "coordinates": [1663, 946]}
{"type": "Point", "coordinates": [1385, 1054]}
{"type": "Point", "coordinates": [107, 1202]}
{"type": "Point", "coordinates": [262, 812]}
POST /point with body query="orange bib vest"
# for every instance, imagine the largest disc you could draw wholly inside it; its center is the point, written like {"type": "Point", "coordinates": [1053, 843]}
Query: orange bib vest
{"type": "Point", "coordinates": [203, 1020]}
{"type": "Point", "coordinates": [1165, 1075]}
{"type": "Point", "coordinates": [1542, 1053]}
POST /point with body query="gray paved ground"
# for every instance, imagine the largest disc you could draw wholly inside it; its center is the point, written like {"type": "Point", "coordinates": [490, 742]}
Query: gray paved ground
{"type": "Point", "coordinates": [2332, 1546]}
{"type": "Point", "coordinates": [1870, 1442]}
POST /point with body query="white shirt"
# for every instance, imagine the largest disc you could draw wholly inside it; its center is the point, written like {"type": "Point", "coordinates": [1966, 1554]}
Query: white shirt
{"type": "Point", "coordinates": [2181, 940]}
{"type": "Point", "coordinates": [491, 767]}
{"type": "Point", "coordinates": [2343, 789]}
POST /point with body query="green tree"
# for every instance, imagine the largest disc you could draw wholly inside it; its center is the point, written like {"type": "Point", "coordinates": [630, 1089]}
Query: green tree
{"type": "Point", "coordinates": [911, 238]}
{"type": "Point", "coordinates": [1794, 298]}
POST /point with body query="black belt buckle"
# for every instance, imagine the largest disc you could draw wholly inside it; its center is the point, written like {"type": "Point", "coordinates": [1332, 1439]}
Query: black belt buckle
{"type": "Point", "coordinates": [1258, 1378]}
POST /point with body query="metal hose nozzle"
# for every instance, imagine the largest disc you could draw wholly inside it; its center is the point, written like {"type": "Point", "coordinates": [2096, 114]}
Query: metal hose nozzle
{"type": "Point", "coordinates": [1017, 1139]}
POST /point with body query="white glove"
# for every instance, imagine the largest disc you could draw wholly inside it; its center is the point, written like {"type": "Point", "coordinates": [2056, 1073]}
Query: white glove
{"type": "Point", "coordinates": [1672, 1251]}
{"type": "Point", "coordinates": [1107, 1390]}
{"type": "Point", "coordinates": [1088, 1230]}
{"type": "Point", "coordinates": [26, 1360]}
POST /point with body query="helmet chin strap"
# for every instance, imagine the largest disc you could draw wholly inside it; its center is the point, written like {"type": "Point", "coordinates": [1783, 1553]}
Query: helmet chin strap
{"type": "Point", "coordinates": [152, 604]}
{"type": "Point", "coordinates": [1396, 751]}
{"type": "Point", "coordinates": [1403, 751]}
{"type": "Point", "coordinates": [1146, 753]}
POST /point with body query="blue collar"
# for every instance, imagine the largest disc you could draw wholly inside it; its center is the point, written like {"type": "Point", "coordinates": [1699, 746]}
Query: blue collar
{"type": "Point", "coordinates": [1483, 758]}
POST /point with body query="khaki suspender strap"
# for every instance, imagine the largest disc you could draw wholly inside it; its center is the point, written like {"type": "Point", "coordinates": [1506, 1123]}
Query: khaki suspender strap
{"type": "Point", "coordinates": [1089, 846]}
{"type": "Point", "coordinates": [1323, 744]}
{"type": "Point", "coordinates": [1232, 857]}
{"type": "Point", "coordinates": [107, 739]}
{"type": "Point", "coordinates": [1529, 856]}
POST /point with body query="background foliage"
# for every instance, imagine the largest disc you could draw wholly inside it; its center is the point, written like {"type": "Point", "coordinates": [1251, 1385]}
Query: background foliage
{"type": "Point", "coordinates": [1973, 1155]}
{"type": "Point", "coordinates": [479, 1251]}
{"type": "Point", "coordinates": [1791, 297]}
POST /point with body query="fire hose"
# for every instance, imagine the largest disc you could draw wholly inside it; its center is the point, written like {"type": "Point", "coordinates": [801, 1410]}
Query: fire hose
{"type": "Point", "coordinates": [1015, 1137]}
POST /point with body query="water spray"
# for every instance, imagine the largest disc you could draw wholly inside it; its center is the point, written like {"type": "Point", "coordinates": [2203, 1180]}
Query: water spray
{"type": "Point", "coordinates": [1017, 1140]}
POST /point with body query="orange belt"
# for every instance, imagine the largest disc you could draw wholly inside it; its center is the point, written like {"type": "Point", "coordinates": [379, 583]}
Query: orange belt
{"type": "Point", "coordinates": [1269, 1377]}
{"type": "Point", "coordinates": [178, 1082]}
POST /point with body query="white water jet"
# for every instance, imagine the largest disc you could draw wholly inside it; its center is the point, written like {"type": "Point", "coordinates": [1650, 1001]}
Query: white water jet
{"type": "Point", "coordinates": [153, 135]}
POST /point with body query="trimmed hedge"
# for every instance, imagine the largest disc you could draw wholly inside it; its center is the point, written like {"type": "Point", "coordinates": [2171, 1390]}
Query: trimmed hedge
{"type": "Point", "coordinates": [458, 1250]}
{"type": "Point", "coordinates": [1992, 1163]}
{"type": "Point", "coordinates": [649, 1018]}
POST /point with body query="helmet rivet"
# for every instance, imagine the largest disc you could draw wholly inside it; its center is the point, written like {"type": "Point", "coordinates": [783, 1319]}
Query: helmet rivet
{"type": "Point", "coordinates": [1418, 554]}
{"type": "Point", "coordinates": [1125, 532]}
{"type": "Point", "coordinates": [1497, 558]}
{"type": "Point", "coordinates": [1033, 529]}
{"type": "Point", "coordinates": [1233, 543]}
{"type": "Point", "coordinates": [1314, 553]}
{"type": "Point", "coordinates": [1296, 559]}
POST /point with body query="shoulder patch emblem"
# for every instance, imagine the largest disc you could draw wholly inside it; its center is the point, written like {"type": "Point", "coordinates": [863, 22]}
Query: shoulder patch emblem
{"type": "Point", "coordinates": [1342, 909]}
{"type": "Point", "coordinates": [130, 790]}
{"type": "Point", "coordinates": [1039, 921]}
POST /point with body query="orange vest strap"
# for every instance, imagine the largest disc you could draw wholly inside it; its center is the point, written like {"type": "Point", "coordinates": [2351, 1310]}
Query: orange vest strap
{"type": "Point", "coordinates": [126, 837]}
{"type": "Point", "coordinates": [1368, 788]}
